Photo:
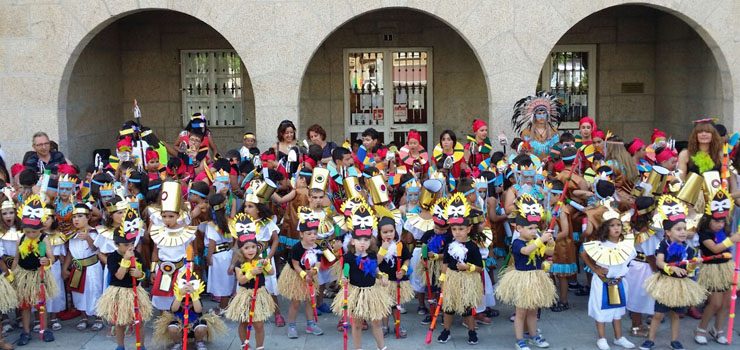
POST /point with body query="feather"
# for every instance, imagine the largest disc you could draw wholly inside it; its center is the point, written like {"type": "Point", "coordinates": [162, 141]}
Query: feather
{"type": "Point", "coordinates": [703, 161]}
{"type": "Point", "coordinates": [367, 265]}
{"type": "Point", "coordinates": [676, 251]}
{"type": "Point", "coordinates": [390, 256]}
{"type": "Point", "coordinates": [458, 251]}
{"type": "Point", "coordinates": [436, 243]}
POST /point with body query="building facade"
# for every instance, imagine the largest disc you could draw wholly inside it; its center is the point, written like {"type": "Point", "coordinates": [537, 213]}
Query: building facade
{"type": "Point", "coordinates": [74, 68]}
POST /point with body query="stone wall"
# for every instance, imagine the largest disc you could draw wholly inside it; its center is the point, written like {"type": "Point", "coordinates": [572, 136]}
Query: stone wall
{"type": "Point", "coordinates": [95, 95]}
{"type": "Point", "coordinates": [459, 91]}
{"type": "Point", "coordinates": [638, 44]}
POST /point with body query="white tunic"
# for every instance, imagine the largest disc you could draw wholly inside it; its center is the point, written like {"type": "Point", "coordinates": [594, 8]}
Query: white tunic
{"type": "Point", "coordinates": [597, 289]}
{"type": "Point", "coordinates": [80, 249]}
{"type": "Point", "coordinates": [58, 303]}
{"type": "Point", "coordinates": [638, 299]}
{"type": "Point", "coordinates": [172, 254]}
{"type": "Point", "coordinates": [220, 282]}
{"type": "Point", "coordinates": [489, 300]}
{"type": "Point", "coordinates": [263, 236]}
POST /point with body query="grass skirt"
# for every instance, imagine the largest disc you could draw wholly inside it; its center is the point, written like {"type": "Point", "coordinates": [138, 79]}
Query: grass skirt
{"type": "Point", "coordinates": [293, 287]}
{"type": "Point", "coordinates": [462, 291]}
{"type": "Point", "coordinates": [407, 293]}
{"type": "Point", "coordinates": [116, 305]}
{"type": "Point", "coordinates": [526, 289]}
{"type": "Point", "coordinates": [366, 303]}
{"type": "Point", "coordinates": [675, 292]}
{"type": "Point", "coordinates": [435, 269]}
{"type": "Point", "coordinates": [8, 297]}
{"type": "Point", "coordinates": [716, 277]}
{"type": "Point", "coordinates": [216, 327]}
{"type": "Point", "coordinates": [238, 309]}
{"type": "Point", "coordinates": [27, 284]}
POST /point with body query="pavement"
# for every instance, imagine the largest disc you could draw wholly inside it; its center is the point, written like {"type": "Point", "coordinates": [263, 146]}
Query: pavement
{"type": "Point", "coordinates": [571, 329]}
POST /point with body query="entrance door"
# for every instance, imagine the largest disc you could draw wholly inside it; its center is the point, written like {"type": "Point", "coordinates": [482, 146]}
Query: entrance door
{"type": "Point", "coordinates": [389, 89]}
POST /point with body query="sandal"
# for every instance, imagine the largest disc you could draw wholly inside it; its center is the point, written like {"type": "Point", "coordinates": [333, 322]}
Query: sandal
{"type": "Point", "coordinates": [583, 291]}
{"type": "Point", "coordinates": [560, 307]}
{"type": "Point", "coordinates": [82, 325]}
{"type": "Point", "coordinates": [718, 335]}
{"type": "Point", "coordinates": [641, 332]}
{"type": "Point", "coordinates": [700, 336]}
{"type": "Point", "coordinates": [6, 346]}
{"type": "Point", "coordinates": [97, 325]}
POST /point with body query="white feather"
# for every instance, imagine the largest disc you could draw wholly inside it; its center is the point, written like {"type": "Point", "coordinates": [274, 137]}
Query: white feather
{"type": "Point", "coordinates": [458, 251]}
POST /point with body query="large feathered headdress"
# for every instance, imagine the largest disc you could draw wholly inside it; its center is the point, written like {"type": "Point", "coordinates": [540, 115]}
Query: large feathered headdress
{"type": "Point", "coordinates": [526, 108]}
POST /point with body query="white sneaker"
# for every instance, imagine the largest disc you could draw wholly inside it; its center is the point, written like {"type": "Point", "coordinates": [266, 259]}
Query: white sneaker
{"type": "Point", "coordinates": [623, 342]}
{"type": "Point", "coordinates": [700, 336]}
{"type": "Point", "coordinates": [402, 309]}
{"type": "Point", "coordinates": [602, 344]}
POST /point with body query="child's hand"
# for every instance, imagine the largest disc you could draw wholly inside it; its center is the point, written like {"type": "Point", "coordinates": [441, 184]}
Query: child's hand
{"type": "Point", "coordinates": [431, 255]}
{"type": "Point", "coordinates": [601, 271]}
{"type": "Point", "coordinates": [128, 254]}
{"type": "Point", "coordinates": [257, 270]}
{"type": "Point", "coordinates": [735, 238]}
{"type": "Point", "coordinates": [44, 261]}
{"type": "Point", "coordinates": [462, 267]}
{"type": "Point", "coordinates": [136, 273]}
{"type": "Point", "coordinates": [384, 281]}
{"type": "Point", "coordinates": [230, 270]}
{"type": "Point", "coordinates": [385, 244]}
{"type": "Point", "coordinates": [399, 275]}
{"type": "Point", "coordinates": [546, 236]}
{"type": "Point", "coordinates": [65, 274]}
{"type": "Point", "coordinates": [678, 271]}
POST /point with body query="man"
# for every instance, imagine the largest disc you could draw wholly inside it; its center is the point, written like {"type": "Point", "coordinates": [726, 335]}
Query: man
{"type": "Point", "coordinates": [43, 153]}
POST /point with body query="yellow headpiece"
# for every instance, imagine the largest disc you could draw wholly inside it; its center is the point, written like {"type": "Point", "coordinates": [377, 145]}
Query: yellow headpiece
{"type": "Point", "coordinates": [319, 179]}
{"type": "Point", "coordinates": [171, 196]}
{"type": "Point", "coordinates": [378, 190]}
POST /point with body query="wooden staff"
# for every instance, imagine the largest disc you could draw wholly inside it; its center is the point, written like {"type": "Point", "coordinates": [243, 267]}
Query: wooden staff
{"type": "Point", "coordinates": [425, 261]}
{"type": "Point", "coordinates": [428, 339]}
{"type": "Point", "coordinates": [399, 251]}
{"type": "Point", "coordinates": [345, 301]}
{"type": "Point", "coordinates": [186, 307]}
{"type": "Point", "coordinates": [42, 292]}
{"type": "Point", "coordinates": [252, 303]}
{"type": "Point", "coordinates": [703, 259]}
{"type": "Point", "coordinates": [312, 293]}
{"type": "Point", "coordinates": [137, 312]}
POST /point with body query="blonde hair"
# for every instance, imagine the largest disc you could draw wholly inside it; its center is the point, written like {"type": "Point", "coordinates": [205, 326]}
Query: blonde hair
{"type": "Point", "coordinates": [715, 147]}
{"type": "Point", "coordinates": [617, 152]}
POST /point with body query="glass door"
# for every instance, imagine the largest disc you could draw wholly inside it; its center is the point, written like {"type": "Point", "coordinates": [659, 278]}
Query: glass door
{"type": "Point", "coordinates": [406, 105]}
{"type": "Point", "coordinates": [570, 74]}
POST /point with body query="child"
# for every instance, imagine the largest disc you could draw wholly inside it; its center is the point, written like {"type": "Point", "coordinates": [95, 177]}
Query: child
{"type": "Point", "coordinates": [57, 241]}
{"type": "Point", "coordinates": [301, 272]}
{"type": "Point", "coordinates": [8, 297]}
{"type": "Point", "coordinates": [564, 256]}
{"type": "Point", "coordinates": [610, 273]}
{"type": "Point", "coordinates": [526, 285]}
{"type": "Point", "coordinates": [219, 242]}
{"type": "Point", "coordinates": [171, 242]}
{"type": "Point", "coordinates": [670, 288]}
{"type": "Point", "coordinates": [716, 275]}
{"type": "Point", "coordinates": [116, 304]}
{"type": "Point", "coordinates": [461, 281]}
{"type": "Point", "coordinates": [390, 265]}
{"type": "Point", "coordinates": [86, 273]}
{"type": "Point", "coordinates": [435, 240]}
{"type": "Point", "coordinates": [639, 302]}
{"type": "Point", "coordinates": [104, 241]}
{"type": "Point", "coordinates": [10, 233]}
{"type": "Point", "coordinates": [249, 146]}
{"type": "Point", "coordinates": [31, 256]}
{"type": "Point", "coordinates": [168, 328]}
{"type": "Point", "coordinates": [368, 299]}
{"type": "Point", "coordinates": [250, 273]}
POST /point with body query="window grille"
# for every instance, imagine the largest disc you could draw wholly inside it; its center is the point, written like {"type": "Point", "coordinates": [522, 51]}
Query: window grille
{"type": "Point", "coordinates": [212, 85]}
{"type": "Point", "coordinates": [570, 74]}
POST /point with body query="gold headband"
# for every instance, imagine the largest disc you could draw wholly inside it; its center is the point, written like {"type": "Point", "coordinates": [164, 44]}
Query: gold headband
{"type": "Point", "coordinates": [120, 206]}
{"type": "Point", "coordinates": [249, 136]}
{"type": "Point", "coordinates": [7, 204]}
{"type": "Point", "coordinates": [83, 211]}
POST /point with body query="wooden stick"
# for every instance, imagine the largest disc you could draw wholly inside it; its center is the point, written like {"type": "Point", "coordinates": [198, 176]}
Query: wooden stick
{"type": "Point", "coordinates": [186, 307]}
{"type": "Point", "coordinates": [397, 311]}
{"type": "Point", "coordinates": [137, 312]}
{"type": "Point", "coordinates": [42, 292]}
{"type": "Point", "coordinates": [428, 339]}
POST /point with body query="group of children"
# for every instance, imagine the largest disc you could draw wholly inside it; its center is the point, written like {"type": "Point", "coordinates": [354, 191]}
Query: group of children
{"type": "Point", "coordinates": [379, 231]}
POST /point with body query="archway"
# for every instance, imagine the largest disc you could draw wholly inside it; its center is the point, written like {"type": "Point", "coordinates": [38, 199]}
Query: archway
{"type": "Point", "coordinates": [637, 67]}
{"type": "Point", "coordinates": [173, 64]}
{"type": "Point", "coordinates": [393, 69]}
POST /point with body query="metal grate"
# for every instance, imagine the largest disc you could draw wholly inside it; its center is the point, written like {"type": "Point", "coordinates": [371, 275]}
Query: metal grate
{"type": "Point", "coordinates": [569, 80]}
{"type": "Point", "coordinates": [212, 85]}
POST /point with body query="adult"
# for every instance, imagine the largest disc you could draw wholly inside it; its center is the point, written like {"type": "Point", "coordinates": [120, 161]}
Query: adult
{"type": "Point", "coordinates": [638, 151]}
{"type": "Point", "coordinates": [448, 147]}
{"type": "Point", "coordinates": [413, 155]}
{"type": "Point", "coordinates": [286, 139]}
{"type": "Point", "coordinates": [482, 144]}
{"type": "Point", "coordinates": [42, 155]}
{"type": "Point", "coordinates": [704, 152]}
{"type": "Point", "coordinates": [586, 127]}
{"type": "Point", "coordinates": [317, 135]}
{"type": "Point", "coordinates": [536, 120]}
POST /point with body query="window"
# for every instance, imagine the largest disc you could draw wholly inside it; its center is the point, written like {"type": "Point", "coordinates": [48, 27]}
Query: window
{"type": "Point", "coordinates": [390, 90]}
{"type": "Point", "coordinates": [212, 85]}
{"type": "Point", "coordinates": [570, 74]}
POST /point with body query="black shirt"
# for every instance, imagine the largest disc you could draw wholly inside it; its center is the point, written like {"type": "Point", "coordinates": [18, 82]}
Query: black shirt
{"type": "Point", "coordinates": [436, 243]}
{"type": "Point", "coordinates": [689, 253]}
{"type": "Point", "coordinates": [390, 267]}
{"type": "Point", "coordinates": [358, 277]}
{"type": "Point", "coordinates": [297, 252]}
{"type": "Point", "coordinates": [250, 283]}
{"type": "Point", "coordinates": [32, 161]}
{"type": "Point", "coordinates": [473, 256]}
{"type": "Point", "coordinates": [31, 262]}
{"type": "Point", "coordinates": [703, 236]}
{"type": "Point", "coordinates": [114, 262]}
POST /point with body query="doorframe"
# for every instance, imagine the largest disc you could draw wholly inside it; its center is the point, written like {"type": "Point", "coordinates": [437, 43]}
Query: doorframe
{"type": "Point", "coordinates": [546, 74]}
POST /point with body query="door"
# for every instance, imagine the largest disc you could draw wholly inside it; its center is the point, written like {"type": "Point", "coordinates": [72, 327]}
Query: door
{"type": "Point", "coordinates": [570, 74]}
{"type": "Point", "coordinates": [390, 90]}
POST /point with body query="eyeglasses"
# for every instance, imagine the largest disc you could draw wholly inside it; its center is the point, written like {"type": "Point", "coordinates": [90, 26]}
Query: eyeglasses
{"type": "Point", "coordinates": [45, 144]}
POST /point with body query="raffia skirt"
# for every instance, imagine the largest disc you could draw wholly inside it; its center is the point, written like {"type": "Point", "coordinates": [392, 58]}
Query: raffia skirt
{"type": "Point", "coordinates": [216, 327]}
{"type": "Point", "coordinates": [717, 278]}
{"type": "Point", "coordinates": [407, 293]}
{"type": "Point", "coordinates": [27, 285]}
{"type": "Point", "coordinates": [366, 303]}
{"type": "Point", "coordinates": [461, 291]}
{"type": "Point", "coordinates": [435, 269]}
{"type": "Point", "coordinates": [8, 297]}
{"type": "Point", "coordinates": [292, 286]}
{"type": "Point", "coordinates": [116, 305]}
{"type": "Point", "coordinates": [238, 309]}
{"type": "Point", "coordinates": [526, 289]}
{"type": "Point", "coordinates": [675, 292]}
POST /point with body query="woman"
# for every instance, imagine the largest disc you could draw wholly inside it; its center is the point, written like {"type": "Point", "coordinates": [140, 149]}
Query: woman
{"type": "Point", "coordinates": [317, 135]}
{"type": "Point", "coordinates": [704, 152]}
{"type": "Point", "coordinates": [536, 120]}
{"type": "Point", "coordinates": [286, 139]}
{"type": "Point", "coordinates": [448, 147]}
{"type": "Point", "coordinates": [586, 127]}
{"type": "Point", "coordinates": [413, 155]}
{"type": "Point", "coordinates": [483, 146]}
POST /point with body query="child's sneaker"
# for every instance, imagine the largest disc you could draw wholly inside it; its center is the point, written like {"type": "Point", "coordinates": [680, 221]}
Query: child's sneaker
{"type": "Point", "coordinates": [647, 345]}
{"type": "Point", "coordinates": [602, 344]}
{"type": "Point", "coordinates": [324, 308]}
{"type": "Point", "coordinates": [402, 332]}
{"type": "Point", "coordinates": [24, 339]}
{"type": "Point", "coordinates": [521, 345]}
{"type": "Point", "coordinates": [55, 325]}
{"type": "Point", "coordinates": [444, 336]}
{"type": "Point", "coordinates": [292, 332]}
{"type": "Point", "coordinates": [472, 337]}
{"type": "Point", "coordinates": [427, 319]}
{"type": "Point", "coordinates": [48, 336]}
{"type": "Point", "coordinates": [401, 309]}
{"type": "Point", "coordinates": [421, 310]}
{"type": "Point", "coordinates": [676, 345]}
{"type": "Point", "coordinates": [385, 331]}
{"type": "Point", "coordinates": [200, 346]}
{"type": "Point", "coordinates": [177, 346]}
{"type": "Point", "coordinates": [539, 342]}
{"type": "Point", "coordinates": [313, 328]}
{"type": "Point", "coordinates": [623, 342]}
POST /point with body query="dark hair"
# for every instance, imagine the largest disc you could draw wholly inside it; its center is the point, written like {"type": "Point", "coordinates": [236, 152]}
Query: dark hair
{"type": "Point", "coordinates": [283, 127]}
{"type": "Point", "coordinates": [567, 137]}
{"type": "Point", "coordinates": [150, 137]}
{"type": "Point", "coordinates": [28, 177]}
{"type": "Point", "coordinates": [449, 133]}
{"type": "Point", "coordinates": [222, 164]}
{"type": "Point", "coordinates": [602, 233]}
{"type": "Point", "coordinates": [338, 154]}
{"type": "Point", "coordinates": [219, 216]}
{"type": "Point", "coordinates": [201, 187]}
{"type": "Point", "coordinates": [704, 224]}
{"type": "Point", "coordinates": [141, 182]}
{"type": "Point", "coordinates": [315, 152]}
{"type": "Point", "coordinates": [372, 133]}
{"type": "Point", "coordinates": [465, 185]}
{"type": "Point", "coordinates": [721, 130]}
{"type": "Point", "coordinates": [263, 211]}
{"type": "Point", "coordinates": [152, 195]}
{"type": "Point", "coordinates": [100, 178]}
{"type": "Point", "coordinates": [109, 217]}
{"type": "Point", "coordinates": [316, 128]}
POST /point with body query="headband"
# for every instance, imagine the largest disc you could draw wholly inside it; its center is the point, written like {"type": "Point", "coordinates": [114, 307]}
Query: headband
{"type": "Point", "coordinates": [477, 124]}
{"type": "Point", "coordinates": [665, 154]}
{"type": "Point", "coordinates": [197, 193]}
{"type": "Point", "coordinates": [414, 135]}
{"type": "Point", "coordinates": [587, 120]}
{"type": "Point", "coordinates": [635, 146]}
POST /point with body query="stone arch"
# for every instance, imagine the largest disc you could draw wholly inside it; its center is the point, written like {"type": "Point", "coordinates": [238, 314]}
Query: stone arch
{"type": "Point", "coordinates": [117, 61]}
{"type": "Point", "coordinates": [686, 74]}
